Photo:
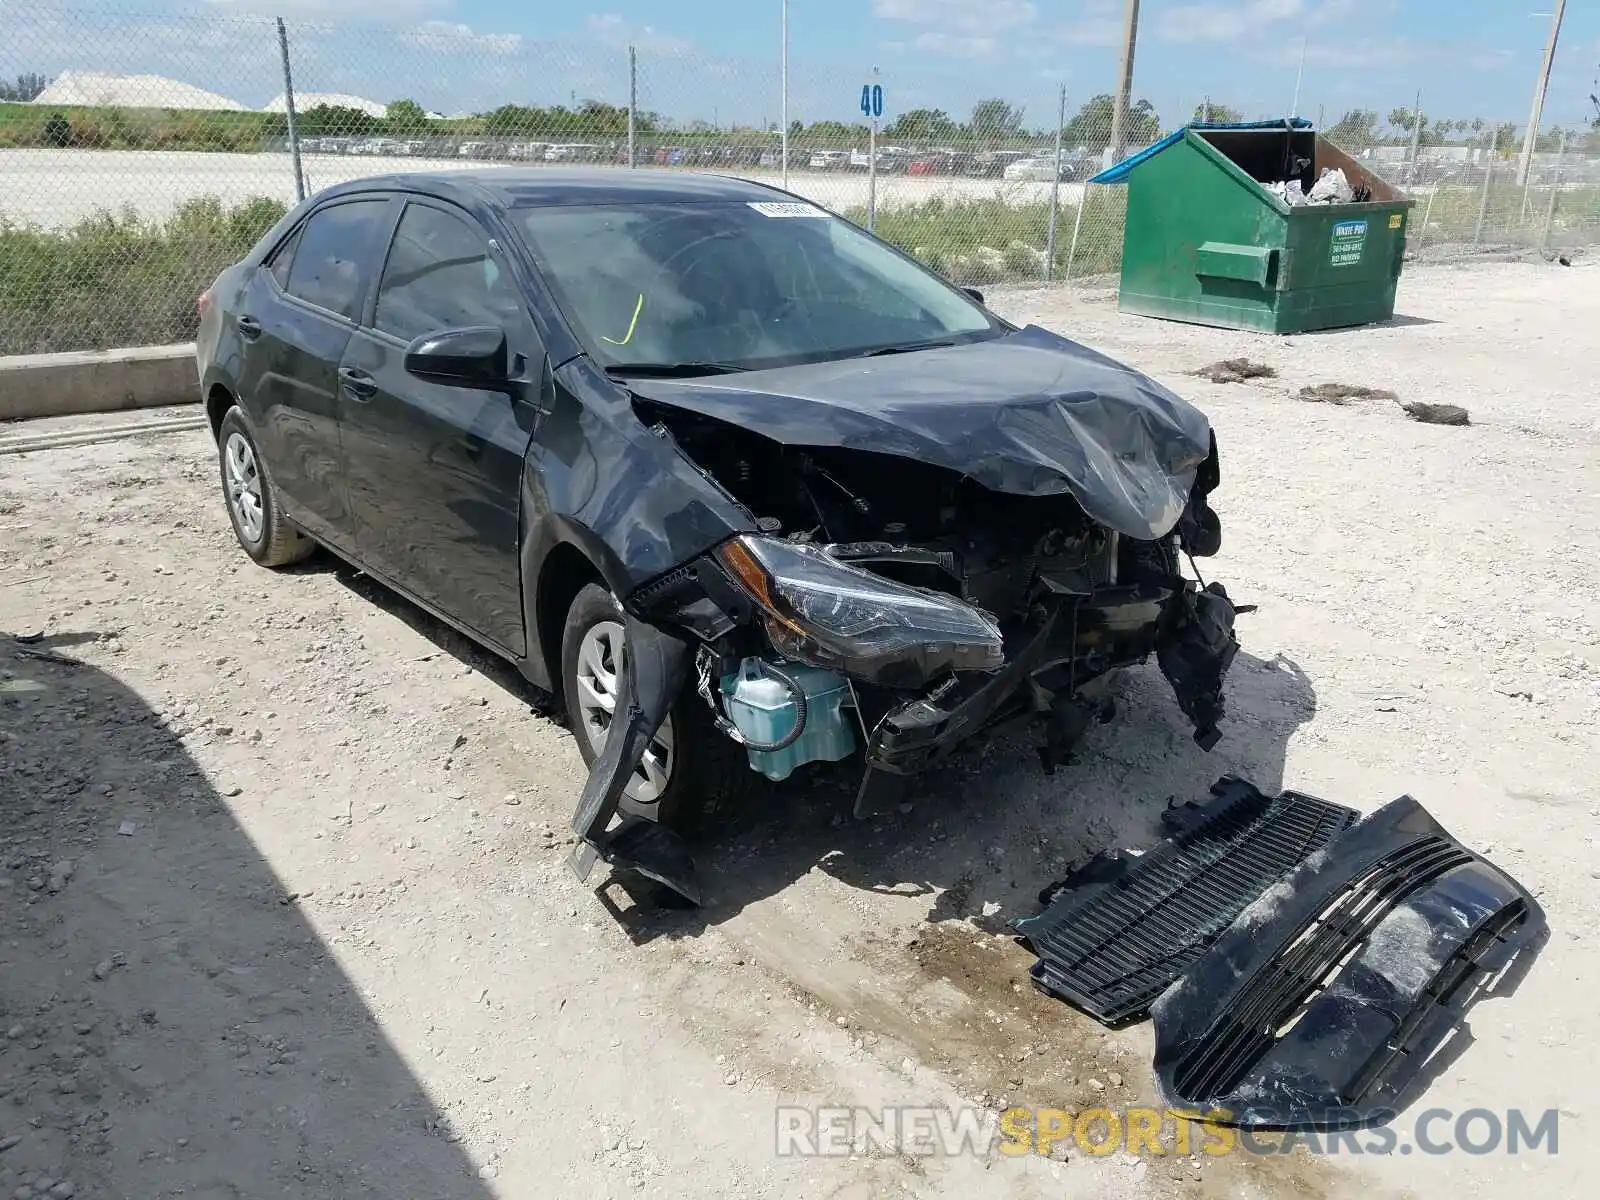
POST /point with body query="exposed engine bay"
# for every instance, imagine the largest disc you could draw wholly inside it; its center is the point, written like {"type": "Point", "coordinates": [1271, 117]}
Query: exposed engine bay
{"type": "Point", "coordinates": [1070, 600]}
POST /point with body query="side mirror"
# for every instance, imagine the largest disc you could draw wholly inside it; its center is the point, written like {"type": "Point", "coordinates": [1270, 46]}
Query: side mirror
{"type": "Point", "coordinates": [974, 293]}
{"type": "Point", "coordinates": [474, 357]}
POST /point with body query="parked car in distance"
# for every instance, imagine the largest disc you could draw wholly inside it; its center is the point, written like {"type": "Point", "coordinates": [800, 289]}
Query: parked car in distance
{"type": "Point", "coordinates": [939, 162]}
{"type": "Point", "coordinates": [844, 508]}
{"type": "Point", "coordinates": [991, 164]}
{"type": "Point", "coordinates": [829, 160]}
{"type": "Point", "coordinates": [572, 152]}
{"type": "Point", "coordinates": [1043, 167]}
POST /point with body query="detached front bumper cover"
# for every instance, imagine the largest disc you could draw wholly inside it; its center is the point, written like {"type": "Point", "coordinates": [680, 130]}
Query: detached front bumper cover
{"type": "Point", "coordinates": [1321, 1003]}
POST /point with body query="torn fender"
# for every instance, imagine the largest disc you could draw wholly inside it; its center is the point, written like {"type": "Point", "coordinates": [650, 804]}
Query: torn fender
{"type": "Point", "coordinates": [1029, 413]}
{"type": "Point", "coordinates": [654, 670]}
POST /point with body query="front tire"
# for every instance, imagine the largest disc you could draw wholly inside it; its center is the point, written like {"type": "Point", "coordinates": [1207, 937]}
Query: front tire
{"type": "Point", "coordinates": [254, 508]}
{"type": "Point", "coordinates": [690, 772]}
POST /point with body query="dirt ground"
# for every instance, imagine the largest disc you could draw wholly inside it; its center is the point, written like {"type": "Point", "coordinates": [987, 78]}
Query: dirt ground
{"type": "Point", "coordinates": [282, 902]}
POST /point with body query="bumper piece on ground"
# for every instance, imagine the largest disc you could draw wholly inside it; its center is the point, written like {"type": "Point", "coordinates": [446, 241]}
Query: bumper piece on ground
{"type": "Point", "coordinates": [1120, 931]}
{"type": "Point", "coordinates": [1319, 1006]}
{"type": "Point", "coordinates": [656, 667]}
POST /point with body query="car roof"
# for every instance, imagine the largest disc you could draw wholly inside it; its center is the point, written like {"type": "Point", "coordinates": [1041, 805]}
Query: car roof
{"type": "Point", "coordinates": [522, 187]}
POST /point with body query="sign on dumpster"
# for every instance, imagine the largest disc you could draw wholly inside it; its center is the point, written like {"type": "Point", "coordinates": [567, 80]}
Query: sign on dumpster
{"type": "Point", "coordinates": [1349, 239]}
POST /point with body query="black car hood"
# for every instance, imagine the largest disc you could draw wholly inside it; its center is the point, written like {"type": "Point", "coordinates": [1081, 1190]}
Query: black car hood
{"type": "Point", "coordinates": [1030, 413]}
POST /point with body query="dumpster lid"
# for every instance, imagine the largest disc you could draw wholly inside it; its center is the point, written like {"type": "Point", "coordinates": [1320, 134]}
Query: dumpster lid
{"type": "Point", "coordinates": [1120, 172]}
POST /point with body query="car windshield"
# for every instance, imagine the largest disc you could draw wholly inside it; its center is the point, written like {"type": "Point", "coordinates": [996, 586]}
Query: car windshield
{"type": "Point", "coordinates": [738, 285]}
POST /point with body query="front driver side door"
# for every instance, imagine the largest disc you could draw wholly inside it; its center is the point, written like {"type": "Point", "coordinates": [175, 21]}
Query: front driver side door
{"type": "Point", "coordinates": [434, 472]}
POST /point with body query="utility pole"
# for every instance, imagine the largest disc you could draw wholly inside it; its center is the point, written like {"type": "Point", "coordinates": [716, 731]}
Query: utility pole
{"type": "Point", "coordinates": [1538, 95]}
{"type": "Point", "coordinates": [1119, 106]}
{"type": "Point", "coordinates": [1416, 133]}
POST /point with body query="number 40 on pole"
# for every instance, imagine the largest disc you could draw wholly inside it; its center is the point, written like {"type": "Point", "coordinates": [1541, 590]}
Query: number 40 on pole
{"type": "Point", "coordinates": [872, 100]}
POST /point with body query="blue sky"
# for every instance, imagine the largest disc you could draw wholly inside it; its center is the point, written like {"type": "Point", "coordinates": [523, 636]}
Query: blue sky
{"type": "Point", "coordinates": [717, 59]}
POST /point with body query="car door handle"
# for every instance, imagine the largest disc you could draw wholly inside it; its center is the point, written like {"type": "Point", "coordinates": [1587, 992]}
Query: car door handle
{"type": "Point", "coordinates": [249, 327]}
{"type": "Point", "coordinates": [357, 383]}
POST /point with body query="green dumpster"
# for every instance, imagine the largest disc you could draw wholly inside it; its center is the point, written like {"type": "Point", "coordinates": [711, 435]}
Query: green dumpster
{"type": "Point", "coordinates": [1208, 241]}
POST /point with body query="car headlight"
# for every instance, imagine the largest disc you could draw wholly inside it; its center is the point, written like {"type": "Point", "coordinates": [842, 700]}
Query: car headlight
{"type": "Point", "coordinates": [825, 613]}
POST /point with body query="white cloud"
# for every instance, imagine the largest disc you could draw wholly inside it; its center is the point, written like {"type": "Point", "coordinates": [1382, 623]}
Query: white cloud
{"type": "Point", "coordinates": [614, 30]}
{"type": "Point", "coordinates": [388, 11]}
{"type": "Point", "coordinates": [1226, 22]}
{"type": "Point", "coordinates": [956, 45]}
{"type": "Point", "coordinates": [970, 17]}
{"type": "Point", "coordinates": [446, 37]}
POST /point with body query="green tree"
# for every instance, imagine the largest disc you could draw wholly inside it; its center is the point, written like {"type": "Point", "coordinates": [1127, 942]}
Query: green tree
{"type": "Point", "coordinates": [1207, 111]}
{"type": "Point", "coordinates": [332, 120]}
{"type": "Point", "coordinates": [994, 118]}
{"type": "Point", "coordinates": [923, 125]}
{"type": "Point", "coordinates": [406, 118]}
{"type": "Point", "coordinates": [57, 131]}
{"type": "Point", "coordinates": [1091, 126]}
{"type": "Point", "coordinates": [26, 88]}
{"type": "Point", "coordinates": [1354, 132]}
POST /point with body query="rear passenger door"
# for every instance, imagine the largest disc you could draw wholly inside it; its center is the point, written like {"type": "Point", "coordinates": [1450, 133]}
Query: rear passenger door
{"type": "Point", "coordinates": [295, 320]}
{"type": "Point", "coordinates": [435, 472]}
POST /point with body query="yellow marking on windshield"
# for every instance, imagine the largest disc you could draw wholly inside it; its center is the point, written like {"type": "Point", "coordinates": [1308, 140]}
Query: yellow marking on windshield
{"type": "Point", "coordinates": [632, 325]}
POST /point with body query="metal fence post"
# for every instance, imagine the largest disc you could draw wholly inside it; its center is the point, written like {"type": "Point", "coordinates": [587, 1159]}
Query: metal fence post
{"type": "Point", "coordinates": [1555, 191]}
{"type": "Point", "coordinates": [288, 106]}
{"type": "Point", "coordinates": [633, 102]}
{"type": "Point", "coordinates": [1077, 224]}
{"type": "Point", "coordinates": [1055, 192]}
{"type": "Point", "coordinates": [1488, 180]}
{"type": "Point", "coordinates": [872, 167]}
{"type": "Point", "coordinates": [783, 102]}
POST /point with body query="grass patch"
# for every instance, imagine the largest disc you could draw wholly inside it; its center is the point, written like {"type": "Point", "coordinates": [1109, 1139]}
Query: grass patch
{"type": "Point", "coordinates": [1513, 214]}
{"type": "Point", "coordinates": [30, 126]}
{"type": "Point", "coordinates": [119, 280]}
{"type": "Point", "coordinates": [992, 241]}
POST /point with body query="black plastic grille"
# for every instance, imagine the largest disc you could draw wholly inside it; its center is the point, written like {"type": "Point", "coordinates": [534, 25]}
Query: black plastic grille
{"type": "Point", "coordinates": [1249, 1027]}
{"type": "Point", "coordinates": [1112, 951]}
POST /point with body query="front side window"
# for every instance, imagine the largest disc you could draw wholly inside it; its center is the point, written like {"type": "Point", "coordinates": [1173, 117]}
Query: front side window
{"type": "Point", "coordinates": [739, 284]}
{"type": "Point", "coordinates": [334, 245]}
{"type": "Point", "coordinates": [440, 275]}
{"type": "Point", "coordinates": [283, 258]}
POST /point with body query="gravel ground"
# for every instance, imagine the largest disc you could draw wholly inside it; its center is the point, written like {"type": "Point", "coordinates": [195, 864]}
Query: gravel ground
{"type": "Point", "coordinates": [282, 908]}
{"type": "Point", "coordinates": [56, 188]}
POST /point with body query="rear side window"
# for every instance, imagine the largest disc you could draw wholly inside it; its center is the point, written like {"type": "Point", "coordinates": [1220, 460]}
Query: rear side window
{"type": "Point", "coordinates": [440, 276]}
{"type": "Point", "coordinates": [333, 245]}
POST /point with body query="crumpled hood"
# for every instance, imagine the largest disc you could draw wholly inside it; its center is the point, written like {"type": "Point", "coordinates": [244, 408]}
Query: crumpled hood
{"type": "Point", "coordinates": [1030, 413]}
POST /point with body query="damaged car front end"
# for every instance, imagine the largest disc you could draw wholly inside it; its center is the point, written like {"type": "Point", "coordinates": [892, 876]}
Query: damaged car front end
{"type": "Point", "coordinates": [943, 542]}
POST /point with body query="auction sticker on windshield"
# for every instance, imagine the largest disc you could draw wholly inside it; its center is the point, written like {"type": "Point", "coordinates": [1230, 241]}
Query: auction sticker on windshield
{"type": "Point", "coordinates": [786, 208]}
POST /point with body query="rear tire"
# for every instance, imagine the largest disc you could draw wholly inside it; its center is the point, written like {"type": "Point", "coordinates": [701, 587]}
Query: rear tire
{"type": "Point", "coordinates": [252, 500]}
{"type": "Point", "coordinates": [706, 772]}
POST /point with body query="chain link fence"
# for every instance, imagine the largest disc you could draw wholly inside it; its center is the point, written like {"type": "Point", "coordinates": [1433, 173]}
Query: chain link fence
{"type": "Point", "coordinates": [141, 154]}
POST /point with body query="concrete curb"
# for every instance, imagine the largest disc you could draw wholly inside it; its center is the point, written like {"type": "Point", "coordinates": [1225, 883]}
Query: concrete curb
{"type": "Point", "coordinates": [58, 385]}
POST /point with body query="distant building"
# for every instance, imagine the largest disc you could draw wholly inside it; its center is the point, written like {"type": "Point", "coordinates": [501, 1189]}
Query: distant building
{"type": "Point", "coordinates": [306, 101]}
{"type": "Point", "coordinates": [88, 89]}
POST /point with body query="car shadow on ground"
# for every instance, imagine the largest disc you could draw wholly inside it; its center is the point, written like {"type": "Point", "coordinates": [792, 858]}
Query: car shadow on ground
{"type": "Point", "coordinates": [980, 838]}
{"type": "Point", "coordinates": [170, 1022]}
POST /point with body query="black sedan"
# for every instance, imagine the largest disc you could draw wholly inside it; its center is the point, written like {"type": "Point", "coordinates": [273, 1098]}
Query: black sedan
{"type": "Point", "coordinates": [832, 505]}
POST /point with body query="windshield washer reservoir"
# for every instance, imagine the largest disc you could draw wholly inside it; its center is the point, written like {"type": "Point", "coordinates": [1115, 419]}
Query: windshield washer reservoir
{"type": "Point", "coordinates": [764, 711]}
